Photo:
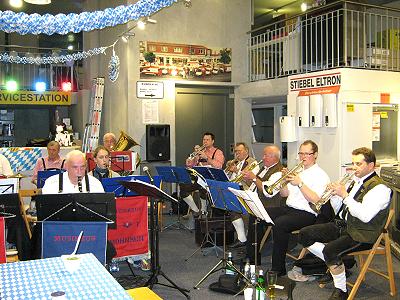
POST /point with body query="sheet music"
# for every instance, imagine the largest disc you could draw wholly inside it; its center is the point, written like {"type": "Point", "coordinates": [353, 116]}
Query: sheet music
{"type": "Point", "coordinates": [254, 203]}
{"type": "Point", "coordinates": [155, 187]}
{"type": "Point", "coordinates": [9, 185]}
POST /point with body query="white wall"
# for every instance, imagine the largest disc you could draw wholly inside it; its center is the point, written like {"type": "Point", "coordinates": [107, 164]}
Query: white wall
{"type": "Point", "coordinates": [215, 23]}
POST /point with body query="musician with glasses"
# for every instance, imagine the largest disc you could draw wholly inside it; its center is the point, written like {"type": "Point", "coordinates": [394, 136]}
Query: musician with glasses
{"type": "Point", "coordinates": [300, 188]}
{"type": "Point", "coordinates": [210, 156]}
{"type": "Point", "coordinates": [101, 156]}
{"type": "Point", "coordinates": [109, 141]}
{"type": "Point", "coordinates": [361, 212]}
{"type": "Point", "coordinates": [241, 163]}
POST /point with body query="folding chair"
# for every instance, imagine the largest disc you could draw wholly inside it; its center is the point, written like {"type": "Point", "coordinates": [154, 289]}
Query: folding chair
{"type": "Point", "coordinates": [376, 249]}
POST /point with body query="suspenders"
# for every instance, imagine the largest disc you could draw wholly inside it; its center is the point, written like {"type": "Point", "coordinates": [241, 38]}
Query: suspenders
{"type": "Point", "coordinates": [45, 169]}
{"type": "Point", "coordinates": [61, 183]}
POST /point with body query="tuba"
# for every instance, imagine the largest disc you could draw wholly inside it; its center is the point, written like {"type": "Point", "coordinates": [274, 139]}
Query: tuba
{"type": "Point", "coordinates": [281, 182]}
{"type": "Point", "coordinates": [125, 142]}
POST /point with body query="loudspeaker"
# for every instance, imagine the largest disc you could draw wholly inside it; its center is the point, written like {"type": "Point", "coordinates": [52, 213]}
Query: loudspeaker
{"type": "Point", "coordinates": [157, 142]}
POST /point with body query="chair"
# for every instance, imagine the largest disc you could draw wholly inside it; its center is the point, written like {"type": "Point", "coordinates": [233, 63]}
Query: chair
{"type": "Point", "coordinates": [27, 219]}
{"type": "Point", "coordinates": [376, 249]}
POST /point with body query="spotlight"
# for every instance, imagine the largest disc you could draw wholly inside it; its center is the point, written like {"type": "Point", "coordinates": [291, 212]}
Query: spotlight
{"type": "Point", "coordinates": [66, 86]}
{"type": "Point", "coordinates": [141, 25]}
{"type": "Point", "coordinates": [11, 86]}
{"type": "Point", "coordinates": [16, 3]}
{"type": "Point", "coordinates": [40, 86]}
{"type": "Point", "coordinates": [187, 3]}
{"type": "Point", "coordinates": [70, 47]}
{"type": "Point", "coordinates": [303, 7]}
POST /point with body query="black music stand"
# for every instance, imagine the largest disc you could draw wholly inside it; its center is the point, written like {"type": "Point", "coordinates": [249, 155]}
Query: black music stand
{"type": "Point", "coordinates": [224, 200]}
{"type": "Point", "coordinates": [113, 185]}
{"type": "Point", "coordinates": [155, 194]}
{"type": "Point", "coordinates": [175, 175]}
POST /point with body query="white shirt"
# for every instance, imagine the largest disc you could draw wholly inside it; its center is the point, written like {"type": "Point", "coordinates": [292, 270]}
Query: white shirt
{"type": "Point", "coordinates": [52, 183]}
{"type": "Point", "coordinates": [5, 167]}
{"type": "Point", "coordinates": [373, 201]}
{"type": "Point", "coordinates": [316, 179]}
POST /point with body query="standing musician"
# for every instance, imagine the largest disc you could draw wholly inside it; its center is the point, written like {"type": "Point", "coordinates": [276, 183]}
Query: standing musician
{"type": "Point", "coordinates": [101, 156]}
{"type": "Point", "coordinates": [233, 169]}
{"type": "Point", "coordinates": [210, 156]}
{"type": "Point", "coordinates": [300, 188]}
{"type": "Point", "coordinates": [362, 209]}
{"type": "Point", "coordinates": [269, 173]}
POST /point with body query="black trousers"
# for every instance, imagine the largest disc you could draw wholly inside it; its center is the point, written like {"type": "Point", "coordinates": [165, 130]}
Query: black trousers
{"type": "Point", "coordinates": [185, 189]}
{"type": "Point", "coordinates": [338, 241]}
{"type": "Point", "coordinates": [286, 220]}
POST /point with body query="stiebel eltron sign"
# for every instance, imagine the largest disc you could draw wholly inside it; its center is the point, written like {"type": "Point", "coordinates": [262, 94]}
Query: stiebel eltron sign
{"type": "Point", "coordinates": [316, 84]}
{"type": "Point", "coordinates": [35, 98]}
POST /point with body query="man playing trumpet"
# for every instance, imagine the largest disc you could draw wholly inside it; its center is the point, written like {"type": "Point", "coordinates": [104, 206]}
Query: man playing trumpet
{"type": "Point", "coordinates": [208, 155]}
{"type": "Point", "coordinates": [234, 168]}
{"type": "Point", "coordinates": [361, 212]}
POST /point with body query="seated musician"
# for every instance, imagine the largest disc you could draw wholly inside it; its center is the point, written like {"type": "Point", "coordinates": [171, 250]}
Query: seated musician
{"type": "Point", "coordinates": [234, 168]}
{"type": "Point", "coordinates": [210, 156]}
{"type": "Point", "coordinates": [109, 141]}
{"type": "Point", "coordinates": [5, 167]}
{"type": "Point", "coordinates": [101, 156]}
{"type": "Point", "coordinates": [53, 161]}
{"type": "Point", "coordinates": [300, 187]}
{"type": "Point", "coordinates": [362, 210]}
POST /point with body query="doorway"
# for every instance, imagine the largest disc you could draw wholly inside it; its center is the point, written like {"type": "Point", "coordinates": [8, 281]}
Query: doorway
{"type": "Point", "coordinates": [198, 110]}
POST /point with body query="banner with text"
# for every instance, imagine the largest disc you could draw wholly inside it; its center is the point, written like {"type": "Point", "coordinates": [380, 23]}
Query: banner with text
{"type": "Point", "coordinates": [35, 98]}
{"type": "Point", "coordinates": [316, 84]}
{"type": "Point", "coordinates": [131, 234]}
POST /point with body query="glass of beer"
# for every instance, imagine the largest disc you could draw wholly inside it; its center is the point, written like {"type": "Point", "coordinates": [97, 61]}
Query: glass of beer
{"type": "Point", "coordinates": [271, 280]}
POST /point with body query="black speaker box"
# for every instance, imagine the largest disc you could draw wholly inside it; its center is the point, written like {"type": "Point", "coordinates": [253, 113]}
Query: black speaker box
{"type": "Point", "coordinates": [158, 142]}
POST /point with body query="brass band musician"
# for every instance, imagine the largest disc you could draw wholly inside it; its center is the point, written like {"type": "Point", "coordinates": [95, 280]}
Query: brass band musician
{"type": "Point", "coordinates": [208, 155]}
{"type": "Point", "coordinates": [234, 168]}
{"type": "Point", "coordinates": [109, 141]}
{"type": "Point", "coordinates": [101, 156]}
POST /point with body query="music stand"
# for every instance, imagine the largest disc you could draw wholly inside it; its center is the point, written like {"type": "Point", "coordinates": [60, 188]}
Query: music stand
{"type": "Point", "coordinates": [9, 185]}
{"type": "Point", "coordinates": [145, 189]}
{"type": "Point", "coordinates": [43, 175]}
{"type": "Point", "coordinates": [175, 175]}
{"type": "Point", "coordinates": [223, 199]}
{"type": "Point", "coordinates": [113, 185]}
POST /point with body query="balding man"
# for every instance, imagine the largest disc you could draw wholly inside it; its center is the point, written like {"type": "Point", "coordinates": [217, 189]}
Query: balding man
{"type": "Point", "coordinates": [268, 174]}
{"type": "Point", "coordinates": [109, 141]}
{"type": "Point", "coordinates": [75, 179]}
{"type": "Point", "coordinates": [53, 161]}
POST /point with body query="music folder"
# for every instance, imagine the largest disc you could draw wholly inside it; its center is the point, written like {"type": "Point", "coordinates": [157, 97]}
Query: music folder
{"type": "Point", "coordinates": [223, 198]}
{"type": "Point", "coordinates": [174, 174]}
{"type": "Point", "coordinates": [146, 189]}
{"type": "Point", "coordinates": [254, 204]}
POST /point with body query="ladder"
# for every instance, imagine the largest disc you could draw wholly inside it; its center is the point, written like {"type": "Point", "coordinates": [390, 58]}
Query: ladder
{"type": "Point", "coordinates": [92, 128]}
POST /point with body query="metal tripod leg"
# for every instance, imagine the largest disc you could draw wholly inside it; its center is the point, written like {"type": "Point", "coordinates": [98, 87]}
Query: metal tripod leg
{"type": "Point", "coordinates": [177, 224]}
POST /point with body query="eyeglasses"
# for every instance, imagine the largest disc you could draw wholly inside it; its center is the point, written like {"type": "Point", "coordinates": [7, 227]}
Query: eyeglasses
{"type": "Point", "coordinates": [305, 153]}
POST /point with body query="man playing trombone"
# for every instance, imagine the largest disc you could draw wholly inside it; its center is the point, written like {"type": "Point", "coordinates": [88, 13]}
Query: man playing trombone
{"type": "Point", "coordinates": [300, 187]}
{"type": "Point", "coordinates": [234, 168]}
{"type": "Point", "coordinates": [207, 155]}
{"type": "Point", "coordinates": [361, 212]}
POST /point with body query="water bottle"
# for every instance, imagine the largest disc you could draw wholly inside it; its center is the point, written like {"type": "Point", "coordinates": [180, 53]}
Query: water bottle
{"type": "Point", "coordinates": [253, 276]}
{"type": "Point", "coordinates": [228, 269]}
{"type": "Point", "coordinates": [260, 288]}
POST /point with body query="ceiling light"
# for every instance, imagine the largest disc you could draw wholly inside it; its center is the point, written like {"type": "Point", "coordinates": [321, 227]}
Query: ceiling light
{"type": "Point", "coordinates": [141, 25]}
{"type": "Point", "coordinates": [303, 7]}
{"type": "Point", "coordinates": [16, 3]}
{"type": "Point", "coordinates": [38, 2]}
{"type": "Point", "coordinates": [70, 47]}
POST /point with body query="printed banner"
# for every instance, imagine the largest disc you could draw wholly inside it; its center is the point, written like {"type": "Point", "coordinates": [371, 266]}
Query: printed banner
{"type": "Point", "coordinates": [2, 241]}
{"type": "Point", "coordinates": [59, 238]}
{"type": "Point", "coordinates": [22, 158]}
{"type": "Point", "coordinates": [35, 98]}
{"type": "Point", "coordinates": [131, 234]}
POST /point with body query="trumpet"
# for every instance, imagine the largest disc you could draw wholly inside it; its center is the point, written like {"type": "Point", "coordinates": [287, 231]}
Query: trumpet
{"type": "Point", "coordinates": [327, 195]}
{"type": "Point", "coordinates": [281, 182]}
{"type": "Point", "coordinates": [230, 163]}
{"type": "Point", "coordinates": [249, 168]}
{"type": "Point", "coordinates": [197, 152]}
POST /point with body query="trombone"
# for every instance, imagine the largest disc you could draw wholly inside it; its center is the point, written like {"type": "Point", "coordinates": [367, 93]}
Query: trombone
{"type": "Point", "coordinates": [327, 195]}
{"type": "Point", "coordinates": [281, 182]}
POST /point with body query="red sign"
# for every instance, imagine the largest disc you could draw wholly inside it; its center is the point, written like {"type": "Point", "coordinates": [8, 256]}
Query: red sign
{"type": "Point", "coordinates": [2, 242]}
{"type": "Point", "coordinates": [131, 234]}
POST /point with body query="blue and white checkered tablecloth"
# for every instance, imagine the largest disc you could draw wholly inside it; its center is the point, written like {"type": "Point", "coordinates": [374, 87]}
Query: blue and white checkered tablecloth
{"type": "Point", "coordinates": [22, 158]}
{"type": "Point", "coordinates": [37, 279]}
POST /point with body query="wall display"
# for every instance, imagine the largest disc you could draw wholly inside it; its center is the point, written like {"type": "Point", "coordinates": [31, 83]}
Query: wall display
{"type": "Point", "coordinates": [184, 62]}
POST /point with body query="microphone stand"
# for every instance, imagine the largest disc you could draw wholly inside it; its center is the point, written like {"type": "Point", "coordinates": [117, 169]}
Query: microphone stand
{"type": "Point", "coordinates": [155, 247]}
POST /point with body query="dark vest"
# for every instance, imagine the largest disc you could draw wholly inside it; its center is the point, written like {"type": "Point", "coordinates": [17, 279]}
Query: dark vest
{"type": "Point", "coordinates": [367, 232]}
{"type": "Point", "coordinates": [277, 200]}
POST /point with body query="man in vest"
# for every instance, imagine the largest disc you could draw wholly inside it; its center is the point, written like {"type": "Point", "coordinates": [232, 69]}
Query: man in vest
{"type": "Point", "coordinates": [362, 210]}
{"type": "Point", "coordinates": [75, 179]}
{"type": "Point", "coordinates": [268, 174]}
{"type": "Point", "coordinates": [209, 156]}
{"type": "Point", "coordinates": [53, 161]}
{"type": "Point", "coordinates": [234, 168]}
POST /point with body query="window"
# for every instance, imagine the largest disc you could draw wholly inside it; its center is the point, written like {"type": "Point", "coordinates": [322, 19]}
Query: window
{"type": "Point", "coordinates": [152, 48]}
{"type": "Point", "coordinates": [177, 50]}
{"type": "Point", "coordinates": [164, 49]}
{"type": "Point", "coordinates": [201, 51]}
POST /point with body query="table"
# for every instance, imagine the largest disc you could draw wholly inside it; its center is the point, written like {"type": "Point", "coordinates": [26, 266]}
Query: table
{"type": "Point", "coordinates": [37, 279]}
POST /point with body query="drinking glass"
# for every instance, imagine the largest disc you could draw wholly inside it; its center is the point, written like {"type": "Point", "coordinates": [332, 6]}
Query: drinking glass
{"type": "Point", "coordinates": [271, 280]}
